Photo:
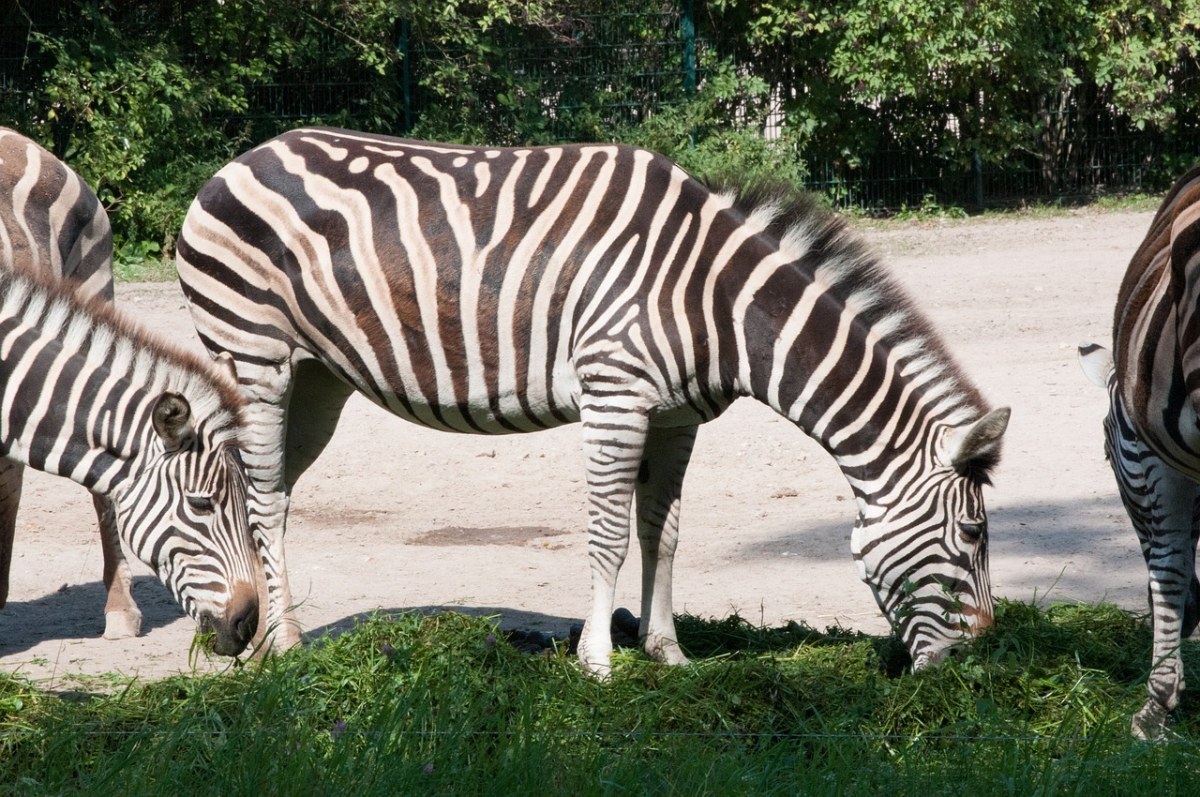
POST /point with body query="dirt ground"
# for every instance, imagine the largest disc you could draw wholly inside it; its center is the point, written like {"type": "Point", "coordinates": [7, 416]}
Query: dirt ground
{"type": "Point", "coordinates": [397, 517]}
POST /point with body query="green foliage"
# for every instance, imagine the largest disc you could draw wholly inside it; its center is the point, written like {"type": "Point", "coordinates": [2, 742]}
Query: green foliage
{"type": "Point", "coordinates": [462, 45]}
{"type": "Point", "coordinates": [699, 136]}
{"type": "Point", "coordinates": [1009, 80]}
{"type": "Point", "coordinates": [442, 705]}
{"type": "Point", "coordinates": [147, 98]}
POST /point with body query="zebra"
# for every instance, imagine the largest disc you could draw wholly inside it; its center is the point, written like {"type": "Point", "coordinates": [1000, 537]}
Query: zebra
{"type": "Point", "coordinates": [1152, 432]}
{"type": "Point", "coordinates": [492, 291]}
{"type": "Point", "coordinates": [86, 395]}
{"type": "Point", "coordinates": [52, 218]}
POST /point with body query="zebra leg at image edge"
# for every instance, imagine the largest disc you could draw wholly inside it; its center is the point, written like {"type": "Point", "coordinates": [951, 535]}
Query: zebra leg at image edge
{"type": "Point", "coordinates": [614, 438]}
{"type": "Point", "coordinates": [122, 617]}
{"type": "Point", "coordinates": [659, 488]}
{"type": "Point", "coordinates": [11, 474]}
{"type": "Point", "coordinates": [277, 630]}
{"type": "Point", "coordinates": [1170, 549]}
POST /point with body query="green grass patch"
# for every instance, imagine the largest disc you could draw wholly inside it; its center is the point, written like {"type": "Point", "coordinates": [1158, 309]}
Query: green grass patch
{"type": "Point", "coordinates": [407, 704]}
{"type": "Point", "coordinates": [142, 261]}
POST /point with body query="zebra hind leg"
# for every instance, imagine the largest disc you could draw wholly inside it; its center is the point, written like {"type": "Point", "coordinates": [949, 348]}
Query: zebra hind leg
{"type": "Point", "coordinates": [122, 617]}
{"type": "Point", "coordinates": [659, 488]}
{"type": "Point", "coordinates": [613, 440]}
{"type": "Point", "coordinates": [11, 474]}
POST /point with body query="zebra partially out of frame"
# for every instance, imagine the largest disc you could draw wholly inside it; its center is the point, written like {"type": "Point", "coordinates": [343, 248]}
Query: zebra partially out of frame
{"type": "Point", "coordinates": [1152, 430]}
{"type": "Point", "coordinates": [86, 395]}
{"type": "Point", "coordinates": [488, 290]}
{"type": "Point", "coordinates": [52, 219]}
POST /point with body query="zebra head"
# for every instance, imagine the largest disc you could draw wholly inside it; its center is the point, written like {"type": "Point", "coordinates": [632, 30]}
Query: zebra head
{"type": "Point", "coordinates": [923, 551]}
{"type": "Point", "coordinates": [184, 514]}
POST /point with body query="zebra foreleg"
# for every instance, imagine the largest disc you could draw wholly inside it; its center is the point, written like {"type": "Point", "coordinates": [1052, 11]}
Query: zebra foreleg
{"type": "Point", "coordinates": [301, 414]}
{"type": "Point", "coordinates": [122, 617]}
{"type": "Point", "coordinates": [11, 474]}
{"type": "Point", "coordinates": [614, 438]}
{"type": "Point", "coordinates": [267, 389]}
{"type": "Point", "coordinates": [659, 488]}
{"type": "Point", "coordinates": [1170, 547]}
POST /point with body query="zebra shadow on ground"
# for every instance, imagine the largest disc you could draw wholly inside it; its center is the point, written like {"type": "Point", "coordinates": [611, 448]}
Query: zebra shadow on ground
{"type": "Point", "coordinates": [77, 610]}
{"type": "Point", "coordinates": [507, 618]}
{"type": "Point", "coordinates": [1072, 550]}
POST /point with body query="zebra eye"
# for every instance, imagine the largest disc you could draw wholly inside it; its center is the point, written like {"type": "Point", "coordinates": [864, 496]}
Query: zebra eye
{"type": "Point", "coordinates": [201, 503]}
{"type": "Point", "coordinates": [972, 531]}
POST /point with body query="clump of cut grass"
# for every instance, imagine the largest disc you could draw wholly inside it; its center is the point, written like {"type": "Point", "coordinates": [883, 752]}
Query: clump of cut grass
{"type": "Point", "coordinates": [443, 705]}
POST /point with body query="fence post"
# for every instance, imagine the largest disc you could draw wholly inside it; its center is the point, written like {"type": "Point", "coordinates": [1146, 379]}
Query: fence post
{"type": "Point", "coordinates": [405, 76]}
{"type": "Point", "coordinates": [977, 174]}
{"type": "Point", "coordinates": [687, 29]}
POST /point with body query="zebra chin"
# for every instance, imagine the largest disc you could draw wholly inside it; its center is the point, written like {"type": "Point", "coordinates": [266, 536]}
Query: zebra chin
{"type": "Point", "coordinates": [231, 631]}
{"type": "Point", "coordinates": [931, 657]}
{"type": "Point", "coordinates": [929, 652]}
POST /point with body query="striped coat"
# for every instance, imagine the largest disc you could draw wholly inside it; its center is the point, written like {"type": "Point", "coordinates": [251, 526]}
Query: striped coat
{"type": "Point", "coordinates": [86, 395]}
{"type": "Point", "coordinates": [487, 290]}
{"type": "Point", "coordinates": [53, 221]}
{"type": "Point", "coordinates": [1152, 430]}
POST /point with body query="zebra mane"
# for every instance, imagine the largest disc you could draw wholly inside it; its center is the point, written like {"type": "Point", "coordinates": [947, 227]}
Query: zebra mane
{"type": "Point", "coordinates": [823, 244]}
{"type": "Point", "coordinates": [108, 337]}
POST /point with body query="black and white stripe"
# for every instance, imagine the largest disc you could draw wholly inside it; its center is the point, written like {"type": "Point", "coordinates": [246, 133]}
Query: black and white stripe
{"type": "Point", "coordinates": [491, 290]}
{"type": "Point", "coordinates": [51, 219]}
{"type": "Point", "coordinates": [1152, 432]}
{"type": "Point", "coordinates": [84, 394]}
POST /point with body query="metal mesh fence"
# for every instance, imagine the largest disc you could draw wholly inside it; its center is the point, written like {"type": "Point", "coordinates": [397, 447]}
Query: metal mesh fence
{"type": "Point", "coordinates": [599, 73]}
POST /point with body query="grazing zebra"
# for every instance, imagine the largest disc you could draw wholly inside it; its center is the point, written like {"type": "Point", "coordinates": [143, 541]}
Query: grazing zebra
{"type": "Point", "coordinates": [511, 290]}
{"type": "Point", "coordinates": [1152, 434]}
{"type": "Point", "coordinates": [84, 394]}
{"type": "Point", "coordinates": [52, 220]}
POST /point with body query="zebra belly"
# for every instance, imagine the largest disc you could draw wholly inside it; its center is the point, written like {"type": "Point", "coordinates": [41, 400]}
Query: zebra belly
{"type": "Point", "coordinates": [510, 411]}
{"type": "Point", "coordinates": [535, 408]}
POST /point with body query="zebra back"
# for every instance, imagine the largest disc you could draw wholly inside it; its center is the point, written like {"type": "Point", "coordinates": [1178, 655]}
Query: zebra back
{"type": "Point", "coordinates": [1156, 331]}
{"type": "Point", "coordinates": [51, 218]}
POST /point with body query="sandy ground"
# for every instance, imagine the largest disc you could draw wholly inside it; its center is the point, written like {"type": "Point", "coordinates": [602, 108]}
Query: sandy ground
{"type": "Point", "coordinates": [397, 517]}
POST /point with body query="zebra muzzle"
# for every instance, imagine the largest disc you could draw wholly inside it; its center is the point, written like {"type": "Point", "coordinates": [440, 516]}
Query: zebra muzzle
{"type": "Point", "coordinates": [232, 633]}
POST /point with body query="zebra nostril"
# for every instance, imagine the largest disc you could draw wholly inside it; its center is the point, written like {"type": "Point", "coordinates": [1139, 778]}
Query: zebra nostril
{"type": "Point", "coordinates": [245, 622]}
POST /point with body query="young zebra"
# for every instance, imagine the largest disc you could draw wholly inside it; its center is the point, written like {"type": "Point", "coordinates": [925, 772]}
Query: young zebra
{"type": "Point", "coordinates": [52, 219]}
{"type": "Point", "coordinates": [84, 394]}
{"type": "Point", "coordinates": [1152, 434]}
{"type": "Point", "coordinates": [510, 290]}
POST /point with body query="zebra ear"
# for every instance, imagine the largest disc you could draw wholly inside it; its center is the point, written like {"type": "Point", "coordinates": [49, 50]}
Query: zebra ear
{"type": "Point", "coordinates": [978, 442]}
{"type": "Point", "coordinates": [1096, 362]}
{"type": "Point", "coordinates": [172, 418]}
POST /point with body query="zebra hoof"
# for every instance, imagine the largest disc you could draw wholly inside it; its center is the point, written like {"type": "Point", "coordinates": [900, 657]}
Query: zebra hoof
{"type": "Point", "coordinates": [122, 625]}
{"type": "Point", "coordinates": [666, 650]}
{"type": "Point", "coordinates": [595, 655]}
{"type": "Point", "coordinates": [1150, 723]}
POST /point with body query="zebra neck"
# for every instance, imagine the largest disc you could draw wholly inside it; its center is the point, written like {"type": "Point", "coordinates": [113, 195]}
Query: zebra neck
{"type": "Point", "coordinates": [90, 431]}
{"type": "Point", "coordinates": [872, 386]}
{"type": "Point", "coordinates": [870, 412]}
{"type": "Point", "coordinates": [78, 384]}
